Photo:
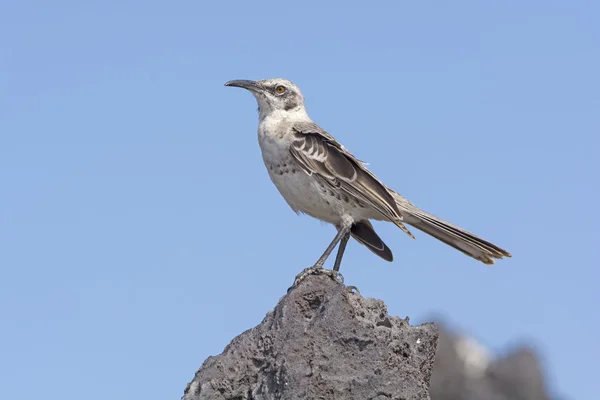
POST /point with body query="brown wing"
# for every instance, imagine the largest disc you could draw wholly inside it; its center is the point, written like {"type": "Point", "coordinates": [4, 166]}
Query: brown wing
{"type": "Point", "coordinates": [317, 152]}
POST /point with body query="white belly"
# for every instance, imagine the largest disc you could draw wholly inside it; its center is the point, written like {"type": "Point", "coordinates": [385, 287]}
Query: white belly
{"type": "Point", "coordinates": [304, 193]}
{"type": "Point", "coordinates": [309, 195]}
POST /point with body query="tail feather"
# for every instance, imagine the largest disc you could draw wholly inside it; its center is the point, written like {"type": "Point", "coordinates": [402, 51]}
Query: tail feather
{"type": "Point", "coordinates": [462, 240]}
{"type": "Point", "coordinates": [364, 233]}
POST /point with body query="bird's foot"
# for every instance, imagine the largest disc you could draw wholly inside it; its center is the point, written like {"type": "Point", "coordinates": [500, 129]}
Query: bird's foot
{"type": "Point", "coordinates": [353, 290]}
{"type": "Point", "coordinates": [335, 275]}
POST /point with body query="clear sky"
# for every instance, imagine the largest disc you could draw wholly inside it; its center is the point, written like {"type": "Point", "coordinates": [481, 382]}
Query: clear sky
{"type": "Point", "coordinates": [139, 231]}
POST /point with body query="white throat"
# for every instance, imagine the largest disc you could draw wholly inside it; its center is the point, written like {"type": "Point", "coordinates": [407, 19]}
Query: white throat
{"type": "Point", "coordinates": [266, 110]}
{"type": "Point", "coordinates": [296, 114]}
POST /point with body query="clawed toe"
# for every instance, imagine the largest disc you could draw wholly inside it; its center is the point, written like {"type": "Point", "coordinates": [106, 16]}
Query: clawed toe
{"type": "Point", "coordinates": [335, 275]}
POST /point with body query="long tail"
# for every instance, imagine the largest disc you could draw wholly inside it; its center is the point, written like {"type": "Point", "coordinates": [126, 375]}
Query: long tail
{"type": "Point", "coordinates": [452, 235]}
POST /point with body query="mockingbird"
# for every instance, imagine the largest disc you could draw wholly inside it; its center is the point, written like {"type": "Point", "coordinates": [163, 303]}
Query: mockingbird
{"type": "Point", "coordinates": [318, 176]}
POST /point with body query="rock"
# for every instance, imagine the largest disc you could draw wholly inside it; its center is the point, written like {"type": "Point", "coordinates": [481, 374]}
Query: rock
{"type": "Point", "coordinates": [465, 370]}
{"type": "Point", "coordinates": [322, 341]}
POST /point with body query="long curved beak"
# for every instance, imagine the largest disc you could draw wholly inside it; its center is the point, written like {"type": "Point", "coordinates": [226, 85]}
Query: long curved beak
{"type": "Point", "coordinates": [245, 84]}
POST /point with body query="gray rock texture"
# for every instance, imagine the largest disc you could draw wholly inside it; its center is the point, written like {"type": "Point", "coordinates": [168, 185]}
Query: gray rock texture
{"type": "Point", "coordinates": [322, 341]}
{"type": "Point", "coordinates": [464, 370]}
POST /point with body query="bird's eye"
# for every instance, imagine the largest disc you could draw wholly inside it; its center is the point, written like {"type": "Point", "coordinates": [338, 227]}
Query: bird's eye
{"type": "Point", "coordinates": [280, 89]}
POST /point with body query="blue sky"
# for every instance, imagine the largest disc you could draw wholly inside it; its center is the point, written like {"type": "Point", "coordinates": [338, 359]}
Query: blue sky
{"type": "Point", "coordinates": [139, 231]}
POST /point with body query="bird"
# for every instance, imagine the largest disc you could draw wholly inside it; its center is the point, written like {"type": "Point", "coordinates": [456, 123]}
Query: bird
{"type": "Point", "coordinates": [317, 176]}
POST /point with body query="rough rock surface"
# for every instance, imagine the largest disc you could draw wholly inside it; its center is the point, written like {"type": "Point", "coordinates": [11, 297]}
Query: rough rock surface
{"type": "Point", "coordinates": [322, 341]}
{"type": "Point", "coordinates": [464, 370]}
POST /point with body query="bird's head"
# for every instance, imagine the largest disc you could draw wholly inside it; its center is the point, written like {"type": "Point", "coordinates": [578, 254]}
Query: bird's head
{"type": "Point", "coordinates": [273, 95]}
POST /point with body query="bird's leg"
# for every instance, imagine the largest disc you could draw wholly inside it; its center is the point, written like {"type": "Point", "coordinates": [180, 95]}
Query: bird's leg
{"type": "Point", "coordinates": [340, 253]}
{"type": "Point", "coordinates": [343, 233]}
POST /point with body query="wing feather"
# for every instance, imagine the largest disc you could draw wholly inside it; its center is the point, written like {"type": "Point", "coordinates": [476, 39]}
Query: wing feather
{"type": "Point", "coordinates": [317, 152]}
